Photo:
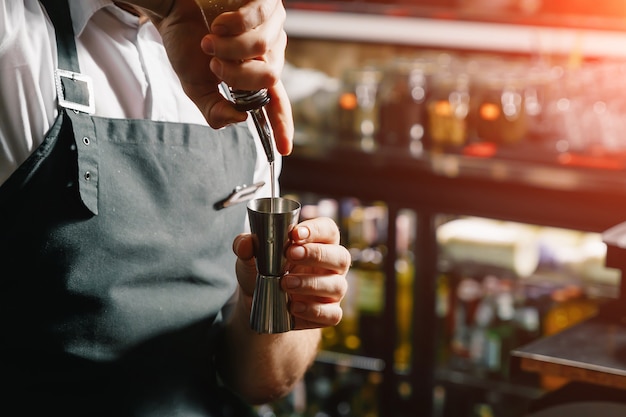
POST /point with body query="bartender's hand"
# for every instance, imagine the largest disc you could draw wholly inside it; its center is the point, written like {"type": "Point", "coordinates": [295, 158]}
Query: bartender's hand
{"type": "Point", "coordinates": [263, 367]}
{"type": "Point", "coordinates": [316, 281]}
{"type": "Point", "coordinates": [245, 49]}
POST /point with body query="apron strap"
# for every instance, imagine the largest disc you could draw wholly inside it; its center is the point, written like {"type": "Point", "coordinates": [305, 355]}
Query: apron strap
{"type": "Point", "coordinates": [59, 13]}
{"type": "Point", "coordinates": [75, 90]}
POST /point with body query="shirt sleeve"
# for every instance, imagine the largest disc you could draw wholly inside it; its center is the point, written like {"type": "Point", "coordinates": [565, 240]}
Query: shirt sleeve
{"type": "Point", "coordinates": [12, 18]}
{"type": "Point", "coordinates": [27, 91]}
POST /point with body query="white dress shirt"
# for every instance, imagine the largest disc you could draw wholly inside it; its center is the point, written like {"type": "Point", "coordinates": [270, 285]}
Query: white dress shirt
{"type": "Point", "coordinates": [124, 57]}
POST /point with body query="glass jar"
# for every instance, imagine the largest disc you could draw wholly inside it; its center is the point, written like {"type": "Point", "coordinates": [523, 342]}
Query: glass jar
{"type": "Point", "coordinates": [448, 109]}
{"type": "Point", "coordinates": [498, 110]}
{"type": "Point", "coordinates": [402, 96]}
{"type": "Point", "coordinates": [357, 104]}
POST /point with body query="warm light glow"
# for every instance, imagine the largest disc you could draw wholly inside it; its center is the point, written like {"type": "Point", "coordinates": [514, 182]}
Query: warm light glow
{"type": "Point", "coordinates": [481, 149]}
{"type": "Point", "coordinates": [348, 101]}
{"type": "Point", "coordinates": [616, 8]}
{"type": "Point", "coordinates": [489, 111]}
{"type": "Point", "coordinates": [443, 108]}
{"type": "Point", "coordinates": [352, 342]}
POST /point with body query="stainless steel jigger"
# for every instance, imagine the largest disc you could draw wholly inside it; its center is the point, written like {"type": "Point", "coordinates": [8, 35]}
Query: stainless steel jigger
{"type": "Point", "coordinates": [271, 220]}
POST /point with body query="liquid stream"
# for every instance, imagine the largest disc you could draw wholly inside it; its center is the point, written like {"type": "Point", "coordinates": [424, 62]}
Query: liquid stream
{"type": "Point", "coordinates": [273, 187]}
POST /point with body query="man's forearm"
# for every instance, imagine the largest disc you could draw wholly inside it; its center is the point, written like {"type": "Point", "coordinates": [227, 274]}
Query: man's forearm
{"type": "Point", "coordinates": [264, 367]}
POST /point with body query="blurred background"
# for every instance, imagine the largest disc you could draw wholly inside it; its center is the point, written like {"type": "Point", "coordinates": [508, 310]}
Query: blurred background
{"type": "Point", "coordinates": [473, 153]}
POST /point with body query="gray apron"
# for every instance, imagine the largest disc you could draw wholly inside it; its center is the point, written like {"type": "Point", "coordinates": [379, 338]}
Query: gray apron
{"type": "Point", "coordinates": [116, 264]}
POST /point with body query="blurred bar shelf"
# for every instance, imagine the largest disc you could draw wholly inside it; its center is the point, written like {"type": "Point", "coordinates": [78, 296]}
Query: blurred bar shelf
{"type": "Point", "coordinates": [529, 185]}
{"type": "Point", "coordinates": [452, 10]}
{"type": "Point", "coordinates": [443, 28]}
{"type": "Point", "coordinates": [543, 193]}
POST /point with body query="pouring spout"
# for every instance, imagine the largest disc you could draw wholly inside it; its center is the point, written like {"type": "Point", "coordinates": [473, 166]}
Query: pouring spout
{"type": "Point", "coordinates": [254, 103]}
{"type": "Point", "coordinates": [265, 132]}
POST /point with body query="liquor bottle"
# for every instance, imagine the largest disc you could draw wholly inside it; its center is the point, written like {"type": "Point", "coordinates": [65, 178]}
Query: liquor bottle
{"type": "Point", "coordinates": [528, 313]}
{"type": "Point", "coordinates": [501, 334]}
{"type": "Point", "coordinates": [402, 96]}
{"type": "Point", "coordinates": [444, 306]}
{"type": "Point", "coordinates": [570, 306]}
{"type": "Point", "coordinates": [484, 319]}
{"type": "Point", "coordinates": [467, 297]}
{"type": "Point", "coordinates": [360, 330]}
{"type": "Point", "coordinates": [405, 270]}
{"type": "Point", "coordinates": [371, 281]}
{"type": "Point", "coordinates": [357, 106]}
{"type": "Point", "coordinates": [371, 286]}
{"type": "Point", "coordinates": [499, 116]}
{"type": "Point", "coordinates": [448, 109]}
{"type": "Point", "coordinates": [366, 402]}
{"type": "Point", "coordinates": [345, 337]}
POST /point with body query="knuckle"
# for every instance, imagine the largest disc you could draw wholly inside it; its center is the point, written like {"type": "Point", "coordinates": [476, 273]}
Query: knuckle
{"type": "Point", "coordinates": [345, 260]}
{"type": "Point", "coordinates": [261, 46]}
{"type": "Point", "coordinates": [319, 253]}
{"type": "Point", "coordinates": [272, 77]}
{"type": "Point", "coordinates": [264, 11]}
{"type": "Point", "coordinates": [338, 287]}
{"type": "Point", "coordinates": [332, 229]}
{"type": "Point", "coordinates": [317, 312]}
{"type": "Point", "coordinates": [313, 285]}
{"type": "Point", "coordinates": [336, 316]}
{"type": "Point", "coordinates": [343, 288]}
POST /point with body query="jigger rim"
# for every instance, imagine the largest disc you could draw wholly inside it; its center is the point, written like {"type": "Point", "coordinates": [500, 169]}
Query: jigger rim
{"type": "Point", "coordinates": [282, 205]}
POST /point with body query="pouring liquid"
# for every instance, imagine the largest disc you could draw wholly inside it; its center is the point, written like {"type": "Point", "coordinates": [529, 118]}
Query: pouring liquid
{"type": "Point", "coordinates": [273, 187]}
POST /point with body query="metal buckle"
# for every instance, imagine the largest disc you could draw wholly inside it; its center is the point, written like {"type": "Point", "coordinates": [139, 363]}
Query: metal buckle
{"type": "Point", "coordinates": [240, 194]}
{"type": "Point", "coordinates": [86, 85]}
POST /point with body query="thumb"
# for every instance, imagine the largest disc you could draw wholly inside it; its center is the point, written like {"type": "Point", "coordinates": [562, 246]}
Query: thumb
{"type": "Point", "coordinates": [216, 109]}
{"type": "Point", "coordinates": [245, 266]}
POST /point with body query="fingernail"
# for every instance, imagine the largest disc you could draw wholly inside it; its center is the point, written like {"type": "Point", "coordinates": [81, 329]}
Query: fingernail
{"type": "Point", "coordinates": [297, 253]}
{"type": "Point", "coordinates": [303, 232]}
{"type": "Point", "coordinates": [298, 307]}
{"type": "Point", "coordinates": [207, 46]}
{"type": "Point", "coordinates": [292, 282]}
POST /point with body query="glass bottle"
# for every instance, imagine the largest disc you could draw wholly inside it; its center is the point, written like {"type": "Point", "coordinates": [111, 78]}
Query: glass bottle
{"type": "Point", "coordinates": [569, 307]}
{"type": "Point", "coordinates": [405, 270]}
{"type": "Point", "coordinates": [358, 106]}
{"type": "Point", "coordinates": [448, 109]}
{"type": "Point", "coordinates": [371, 281]}
{"type": "Point", "coordinates": [468, 293]}
{"type": "Point", "coordinates": [484, 319]}
{"type": "Point", "coordinates": [401, 99]}
{"type": "Point", "coordinates": [498, 112]}
{"type": "Point", "coordinates": [444, 306]}
{"type": "Point", "coordinates": [501, 334]}
{"type": "Point", "coordinates": [345, 336]}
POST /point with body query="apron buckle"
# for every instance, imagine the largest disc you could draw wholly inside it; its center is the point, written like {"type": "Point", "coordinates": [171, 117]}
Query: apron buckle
{"type": "Point", "coordinates": [75, 91]}
{"type": "Point", "coordinates": [240, 194]}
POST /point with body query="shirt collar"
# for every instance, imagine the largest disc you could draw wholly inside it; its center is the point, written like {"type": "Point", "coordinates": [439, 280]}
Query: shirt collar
{"type": "Point", "coordinates": [83, 10]}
